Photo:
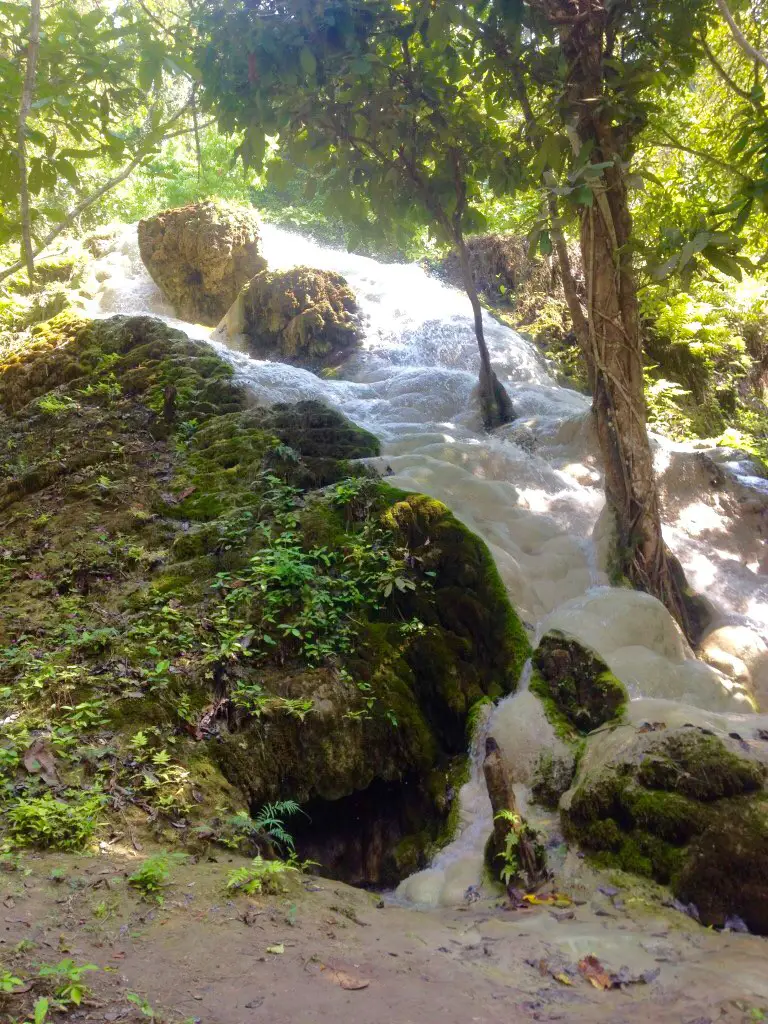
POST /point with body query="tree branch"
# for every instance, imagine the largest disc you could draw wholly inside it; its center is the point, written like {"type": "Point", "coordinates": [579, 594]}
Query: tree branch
{"type": "Point", "coordinates": [33, 48]}
{"type": "Point", "coordinates": [673, 143]}
{"type": "Point", "coordinates": [752, 52]}
{"type": "Point", "coordinates": [94, 197]}
{"type": "Point", "coordinates": [732, 85]}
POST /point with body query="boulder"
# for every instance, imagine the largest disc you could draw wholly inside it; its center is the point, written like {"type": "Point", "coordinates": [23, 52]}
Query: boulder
{"type": "Point", "coordinates": [575, 684]}
{"type": "Point", "coordinates": [302, 316]}
{"type": "Point", "coordinates": [682, 802]}
{"type": "Point", "coordinates": [741, 654]}
{"type": "Point", "coordinates": [200, 256]}
{"type": "Point", "coordinates": [254, 605]}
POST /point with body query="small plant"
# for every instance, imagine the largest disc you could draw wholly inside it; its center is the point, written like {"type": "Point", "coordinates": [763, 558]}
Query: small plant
{"type": "Point", "coordinates": [510, 855]}
{"type": "Point", "coordinates": [260, 876]}
{"type": "Point", "coordinates": [154, 875]}
{"type": "Point", "coordinates": [145, 1009]}
{"type": "Point", "coordinates": [55, 405]}
{"type": "Point", "coordinates": [269, 824]}
{"type": "Point", "coordinates": [9, 982]}
{"type": "Point", "coordinates": [53, 824]}
{"type": "Point", "coordinates": [66, 979]}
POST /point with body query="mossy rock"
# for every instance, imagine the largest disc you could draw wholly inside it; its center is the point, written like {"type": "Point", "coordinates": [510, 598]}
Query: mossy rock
{"type": "Point", "coordinates": [200, 256]}
{"type": "Point", "coordinates": [725, 873]}
{"type": "Point", "coordinates": [576, 685]}
{"type": "Point", "coordinates": [684, 806]}
{"type": "Point", "coordinates": [133, 523]}
{"type": "Point", "coordinates": [303, 316]}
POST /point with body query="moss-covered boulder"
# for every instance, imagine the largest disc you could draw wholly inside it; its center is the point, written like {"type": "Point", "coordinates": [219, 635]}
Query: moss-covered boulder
{"type": "Point", "coordinates": [683, 805]}
{"type": "Point", "coordinates": [302, 316]}
{"type": "Point", "coordinates": [200, 256]}
{"type": "Point", "coordinates": [578, 689]}
{"type": "Point", "coordinates": [208, 606]}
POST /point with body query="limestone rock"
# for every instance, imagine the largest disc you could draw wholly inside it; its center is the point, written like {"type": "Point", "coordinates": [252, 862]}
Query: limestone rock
{"type": "Point", "coordinates": [302, 316]}
{"type": "Point", "coordinates": [681, 803]}
{"type": "Point", "coordinates": [742, 655]}
{"type": "Point", "coordinates": [200, 256]}
{"type": "Point", "coordinates": [576, 682]}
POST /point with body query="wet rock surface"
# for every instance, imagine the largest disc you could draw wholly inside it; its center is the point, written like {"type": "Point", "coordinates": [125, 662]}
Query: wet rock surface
{"type": "Point", "coordinates": [303, 316]}
{"type": "Point", "coordinates": [200, 256]}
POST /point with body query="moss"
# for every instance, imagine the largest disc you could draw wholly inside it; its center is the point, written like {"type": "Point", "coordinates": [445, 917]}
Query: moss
{"type": "Point", "coordinates": [699, 766]}
{"type": "Point", "coordinates": [471, 600]}
{"type": "Point", "coordinates": [581, 686]}
{"type": "Point", "coordinates": [301, 315]}
{"type": "Point", "coordinates": [726, 870]}
{"type": "Point", "coordinates": [124, 519]}
{"type": "Point", "coordinates": [552, 777]}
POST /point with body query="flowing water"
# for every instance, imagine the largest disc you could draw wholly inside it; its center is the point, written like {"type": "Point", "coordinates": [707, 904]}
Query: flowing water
{"type": "Point", "coordinates": [532, 490]}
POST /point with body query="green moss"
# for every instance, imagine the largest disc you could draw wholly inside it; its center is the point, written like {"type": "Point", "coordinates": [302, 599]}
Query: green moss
{"type": "Point", "coordinates": [579, 683]}
{"type": "Point", "coordinates": [699, 766]}
{"type": "Point", "coordinates": [301, 315]}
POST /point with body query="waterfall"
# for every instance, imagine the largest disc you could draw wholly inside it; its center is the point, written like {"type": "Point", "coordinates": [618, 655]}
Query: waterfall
{"type": "Point", "coordinates": [532, 489]}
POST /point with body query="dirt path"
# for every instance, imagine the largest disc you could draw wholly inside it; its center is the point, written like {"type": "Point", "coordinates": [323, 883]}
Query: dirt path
{"type": "Point", "coordinates": [202, 956]}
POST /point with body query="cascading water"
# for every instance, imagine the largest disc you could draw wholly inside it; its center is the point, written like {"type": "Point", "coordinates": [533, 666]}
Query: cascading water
{"type": "Point", "coordinates": [532, 490]}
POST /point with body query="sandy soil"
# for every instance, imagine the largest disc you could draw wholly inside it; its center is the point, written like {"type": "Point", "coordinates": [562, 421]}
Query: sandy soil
{"type": "Point", "coordinates": [350, 958]}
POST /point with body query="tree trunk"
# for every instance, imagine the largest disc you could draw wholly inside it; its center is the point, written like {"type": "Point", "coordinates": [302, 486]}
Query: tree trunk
{"type": "Point", "coordinates": [27, 93]}
{"type": "Point", "coordinates": [496, 403]}
{"type": "Point", "coordinates": [614, 345]}
{"type": "Point", "coordinates": [506, 820]}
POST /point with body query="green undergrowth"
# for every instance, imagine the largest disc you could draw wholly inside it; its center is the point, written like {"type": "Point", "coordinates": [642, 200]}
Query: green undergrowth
{"type": "Point", "coordinates": [206, 607]}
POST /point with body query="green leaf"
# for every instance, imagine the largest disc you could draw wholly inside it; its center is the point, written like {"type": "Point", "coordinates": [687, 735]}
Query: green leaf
{"type": "Point", "coordinates": [67, 171]}
{"type": "Point", "coordinates": [308, 62]}
{"type": "Point", "coordinates": [722, 261]}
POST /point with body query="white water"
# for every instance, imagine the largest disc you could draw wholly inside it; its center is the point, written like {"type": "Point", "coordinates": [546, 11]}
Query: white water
{"type": "Point", "coordinates": [532, 491]}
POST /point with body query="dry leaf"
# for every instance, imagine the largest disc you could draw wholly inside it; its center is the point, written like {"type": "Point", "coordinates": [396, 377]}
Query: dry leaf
{"type": "Point", "coordinates": [563, 978]}
{"type": "Point", "coordinates": [345, 980]}
{"type": "Point", "coordinates": [591, 969]}
{"type": "Point", "coordinates": [552, 899]}
{"type": "Point", "coordinates": [39, 760]}
{"type": "Point", "coordinates": [277, 948]}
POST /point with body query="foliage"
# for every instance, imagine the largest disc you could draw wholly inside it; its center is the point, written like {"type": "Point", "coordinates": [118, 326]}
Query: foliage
{"type": "Point", "coordinates": [50, 823]}
{"type": "Point", "coordinates": [509, 856]}
{"type": "Point", "coordinates": [260, 876]}
{"type": "Point", "coordinates": [269, 824]}
{"type": "Point", "coordinates": [153, 876]}
{"type": "Point", "coordinates": [110, 84]}
{"type": "Point", "coordinates": [66, 980]}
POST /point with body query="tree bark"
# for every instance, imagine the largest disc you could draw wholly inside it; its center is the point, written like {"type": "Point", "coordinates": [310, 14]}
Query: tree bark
{"type": "Point", "coordinates": [496, 403]}
{"type": "Point", "coordinates": [614, 345]}
{"type": "Point", "coordinates": [502, 796]}
{"type": "Point", "coordinates": [27, 94]}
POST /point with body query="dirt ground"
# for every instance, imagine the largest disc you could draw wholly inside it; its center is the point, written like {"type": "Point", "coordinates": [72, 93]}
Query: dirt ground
{"type": "Point", "coordinates": [349, 957]}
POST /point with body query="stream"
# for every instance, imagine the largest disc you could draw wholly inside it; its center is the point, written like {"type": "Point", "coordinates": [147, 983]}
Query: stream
{"type": "Point", "coordinates": [532, 490]}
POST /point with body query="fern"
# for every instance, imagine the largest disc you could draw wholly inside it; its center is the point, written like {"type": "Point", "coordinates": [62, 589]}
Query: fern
{"type": "Point", "coordinates": [269, 823]}
{"type": "Point", "coordinates": [259, 876]}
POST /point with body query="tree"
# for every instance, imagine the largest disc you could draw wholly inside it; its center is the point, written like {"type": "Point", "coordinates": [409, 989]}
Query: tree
{"type": "Point", "coordinates": [387, 117]}
{"type": "Point", "coordinates": [592, 68]}
{"type": "Point", "coordinates": [84, 85]}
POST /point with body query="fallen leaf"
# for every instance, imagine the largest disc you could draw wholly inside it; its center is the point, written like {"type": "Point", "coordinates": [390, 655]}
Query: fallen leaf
{"type": "Point", "coordinates": [563, 978]}
{"type": "Point", "coordinates": [552, 899]}
{"type": "Point", "coordinates": [591, 969]}
{"type": "Point", "coordinates": [344, 980]}
{"type": "Point", "coordinates": [277, 948]}
{"type": "Point", "coordinates": [39, 760]}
